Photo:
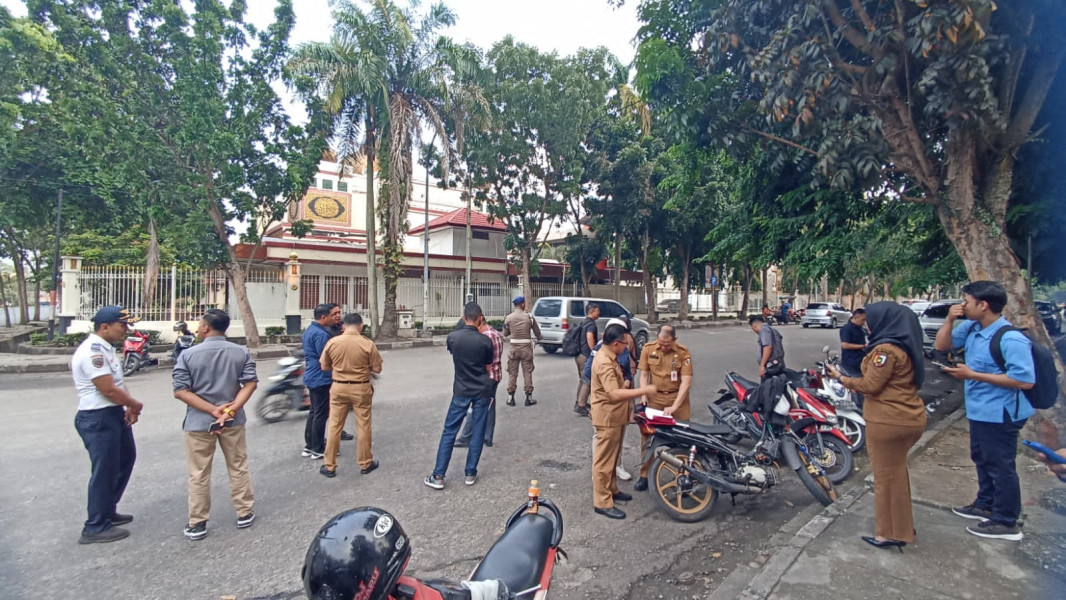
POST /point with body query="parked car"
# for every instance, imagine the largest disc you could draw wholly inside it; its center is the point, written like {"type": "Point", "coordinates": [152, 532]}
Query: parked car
{"type": "Point", "coordinates": [557, 314]}
{"type": "Point", "coordinates": [826, 314]}
{"type": "Point", "coordinates": [672, 305]}
{"type": "Point", "coordinates": [934, 316]}
{"type": "Point", "coordinates": [919, 306]}
{"type": "Point", "coordinates": [1051, 316]}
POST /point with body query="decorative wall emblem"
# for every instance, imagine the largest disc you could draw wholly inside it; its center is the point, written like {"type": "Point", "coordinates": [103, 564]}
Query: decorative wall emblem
{"type": "Point", "coordinates": [331, 207]}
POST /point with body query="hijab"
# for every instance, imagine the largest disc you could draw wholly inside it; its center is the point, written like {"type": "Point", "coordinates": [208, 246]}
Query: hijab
{"type": "Point", "coordinates": [892, 323]}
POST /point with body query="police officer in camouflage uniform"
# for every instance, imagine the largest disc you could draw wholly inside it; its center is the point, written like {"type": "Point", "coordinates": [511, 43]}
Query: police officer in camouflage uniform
{"type": "Point", "coordinates": [521, 328]}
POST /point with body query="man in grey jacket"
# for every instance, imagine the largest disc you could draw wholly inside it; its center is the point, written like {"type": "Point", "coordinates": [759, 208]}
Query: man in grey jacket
{"type": "Point", "coordinates": [216, 378]}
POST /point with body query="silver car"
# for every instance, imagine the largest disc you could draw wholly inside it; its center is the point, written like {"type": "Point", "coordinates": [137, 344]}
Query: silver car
{"type": "Point", "coordinates": [826, 314]}
{"type": "Point", "coordinates": [557, 314]}
{"type": "Point", "coordinates": [934, 316]}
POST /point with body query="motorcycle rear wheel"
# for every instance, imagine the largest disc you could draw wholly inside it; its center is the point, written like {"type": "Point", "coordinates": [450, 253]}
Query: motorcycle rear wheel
{"type": "Point", "coordinates": [273, 408]}
{"type": "Point", "coordinates": [679, 496]}
{"type": "Point", "coordinates": [832, 455]}
{"type": "Point", "coordinates": [818, 485]}
{"type": "Point", "coordinates": [129, 365]}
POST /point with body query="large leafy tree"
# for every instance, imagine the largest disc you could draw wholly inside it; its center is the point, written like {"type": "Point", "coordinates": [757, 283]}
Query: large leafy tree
{"type": "Point", "coordinates": [220, 140]}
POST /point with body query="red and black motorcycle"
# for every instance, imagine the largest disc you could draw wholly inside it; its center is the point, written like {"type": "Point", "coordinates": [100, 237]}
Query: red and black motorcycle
{"type": "Point", "coordinates": [828, 445]}
{"type": "Point", "coordinates": [135, 353]}
{"type": "Point", "coordinates": [363, 553]}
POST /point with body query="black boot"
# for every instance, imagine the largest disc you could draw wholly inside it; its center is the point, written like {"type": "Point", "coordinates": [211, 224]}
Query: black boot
{"type": "Point", "coordinates": [510, 399]}
{"type": "Point", "coordinates": [529, 399]}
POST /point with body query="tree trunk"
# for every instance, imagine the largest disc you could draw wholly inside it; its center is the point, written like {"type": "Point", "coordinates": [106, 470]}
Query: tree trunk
{"type": "Point", "coordinates": [714, 293]}
{"type": "Point", "coordinates": [36, 298]}
{"type": "Point", "coordinates": [684, 251]}
{"type": "Point", "coordinates": [747, 291]}
{"type": "Point", "coordinates": [151, 268]}
{"type": "Point", "coordinates": [649, 284]}
{"type": "Point", "coordinates": [235, 273]}
{"type": "Point", "coordinates": [371, 220]}
{"type": "Point", "coordinates": [3, 301]}
{"type": "Point", "coordinates": [765, 292]}
{"type": "Point", "coordinates": [618, 268]}
{"type": "Point", "coordinates": [469, 241]}
{"type": "Point", "coordinates": [23, 293]}
{"type": "Point", "coordinates": [527, 285]}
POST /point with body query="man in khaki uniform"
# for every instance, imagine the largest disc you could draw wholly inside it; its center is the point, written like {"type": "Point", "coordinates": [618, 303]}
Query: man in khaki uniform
{"type": "Point", "coordinates": [520, 327]}
{"type": "Point", "coordinates": [352, 358]}
{"type": "Point", "coordinates": [610, 405]}
{"type": "Point", "coordinates": [667, 366]}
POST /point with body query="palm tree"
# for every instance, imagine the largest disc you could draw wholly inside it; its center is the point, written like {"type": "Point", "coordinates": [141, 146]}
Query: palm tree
{"type": "Point", "coordinates": [383, 64]}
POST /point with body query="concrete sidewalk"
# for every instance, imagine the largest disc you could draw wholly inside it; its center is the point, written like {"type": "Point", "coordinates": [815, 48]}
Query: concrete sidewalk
{"type": "Point", "coordinates": [826, 556]}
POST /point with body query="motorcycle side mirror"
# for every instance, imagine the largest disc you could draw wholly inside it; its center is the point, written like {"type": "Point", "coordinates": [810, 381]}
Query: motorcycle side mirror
{"type": "Point", "coordinates": [825, 350]}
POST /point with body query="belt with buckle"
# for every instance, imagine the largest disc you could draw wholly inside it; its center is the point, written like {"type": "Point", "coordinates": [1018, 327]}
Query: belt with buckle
{"type": "Point", "coordinates": [352, 382]}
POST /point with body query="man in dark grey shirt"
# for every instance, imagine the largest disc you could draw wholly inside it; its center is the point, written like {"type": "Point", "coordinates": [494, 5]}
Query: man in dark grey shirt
{"type": "Point", "coordinates": [771, 354]}
{"type": "Point", "coordinates": [215, 378]}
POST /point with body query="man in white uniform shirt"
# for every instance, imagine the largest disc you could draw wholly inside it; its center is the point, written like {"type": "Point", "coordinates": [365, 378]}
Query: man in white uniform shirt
{"type": "Point", "coordinates": [106, 413]}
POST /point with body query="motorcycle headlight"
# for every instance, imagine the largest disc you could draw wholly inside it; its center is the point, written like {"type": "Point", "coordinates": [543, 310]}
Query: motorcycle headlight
{"type": "Point", "coordinates": [831, 419]}
{"type": "Point", "coordinates": [837, 387]}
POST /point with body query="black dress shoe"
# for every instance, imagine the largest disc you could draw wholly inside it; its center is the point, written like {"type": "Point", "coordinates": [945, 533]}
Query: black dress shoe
{"type": "Point", "coordinates": [459, 444]}
{"type": "Point", "coordinates": [328, 473]}
{"type": "Point", "coordinates": [611, 513]}
{"type": "Point", "coordinates": [529, 400]}
{"type": "Point", "coordinates": [373, 465]}
{"type": "Point", "coordinates": [510, 400]}
{"type": "Point", "coordinates": [884, 544]}
{"type": "Point", "coordinates": [641, 484]}
{"type": "Point", "coordinates": [622, 497]}
{"type": "Point", "coordinates": [346, 437]}
{"type": "Point", "coordinates": [121, 519]}
{"type": "Point", "coordinates": [488, 443]}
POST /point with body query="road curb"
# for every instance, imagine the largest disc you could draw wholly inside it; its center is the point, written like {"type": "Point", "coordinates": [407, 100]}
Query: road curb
{"type": "Point", "coordinates": [766, 579]}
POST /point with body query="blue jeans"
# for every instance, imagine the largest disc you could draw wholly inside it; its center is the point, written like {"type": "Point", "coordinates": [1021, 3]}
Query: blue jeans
{"type": "Point", "coordinates": [452, 423]}
{"type": "Point", "coordinates": [993, 449]}
{"type": "Point", "coordinates": [112, 454]}
{"type": "Point", "coordinates": [490, 420]}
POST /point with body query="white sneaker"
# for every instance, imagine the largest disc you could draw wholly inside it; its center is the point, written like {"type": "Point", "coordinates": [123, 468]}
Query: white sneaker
{"type": "Point", "coordinates": [622, 474]}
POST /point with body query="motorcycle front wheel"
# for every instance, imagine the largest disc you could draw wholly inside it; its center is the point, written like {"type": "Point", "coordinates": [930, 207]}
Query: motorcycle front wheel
{"type": "Point", "coordinates": [832, 455]}
{"type": "Point", "coordinates": [273, 407]}
{"type": "Point", "coordinates": [680, 495]}
{"type": "Point", "coordinates": [855, 432]}
{"type": "Point", "coordinates": [816, 482]}
{"type": "Point", "coordinates": [129, 365]}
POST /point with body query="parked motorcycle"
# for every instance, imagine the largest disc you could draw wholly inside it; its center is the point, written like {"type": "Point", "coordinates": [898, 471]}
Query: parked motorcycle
{"type": "Point", "coordinates": [184, 340]}
{"type": "Point", "coordinates": [286, 391]}
{"type": "Point", "coordinates": [362, 553]}
{"type": "Point", "coordinates": [135, 355]}
{"type": "Point", "coordinates": [827, 443]}
{"type": "Point", "coordinates": [848, 404]}
{"type": "Point", "coordinates": [693, 464]}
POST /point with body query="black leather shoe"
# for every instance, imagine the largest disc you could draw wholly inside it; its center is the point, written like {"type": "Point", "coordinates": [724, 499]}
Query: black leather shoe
{"type": "Point", "coordinates": [610, 513]}
{"type": "Point", "coordinates": [641, 484]}
{"type": "Point", "coordinates": [488, 443]}
{"type": "Point", "coordinates": [510, 400]}
{"type": "Point", "coordinates": [622, 497]}
{"type": "Point", "coordinates": [324, 471]}
{"type": "Point", "coordinates": [373, 465]}
{"type": "Point", "coordinates": [530, 401]}
{"type": "Point", "coordinates": [346, 437]}
{"type": "Point", "coordinates": [884, 544]}
{"type": "Point", "coordinates": [459, 444]}
{"type": "Point", "coordinates": [121, 519]}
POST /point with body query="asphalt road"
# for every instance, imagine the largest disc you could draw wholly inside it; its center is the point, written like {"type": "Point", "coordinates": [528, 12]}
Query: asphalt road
{"type": "Point", "coordinates": [46, 469]}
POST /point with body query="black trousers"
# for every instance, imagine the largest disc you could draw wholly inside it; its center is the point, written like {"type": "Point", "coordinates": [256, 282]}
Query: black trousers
{"type": "Point", "coordinates": [490, 420]}
{"type": "Point", "coordinates": [112, 453]}
{"type": "Point", "coordinates": [317, 418]}
{"type": "Point", "coordinates": [993, 449]}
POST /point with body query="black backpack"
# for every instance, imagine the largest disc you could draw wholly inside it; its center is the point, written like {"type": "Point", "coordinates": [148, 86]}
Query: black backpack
{"type": "Point", "coordinates": [1045, 392]}
{"type": "Point", "coordinates": [573, 339]}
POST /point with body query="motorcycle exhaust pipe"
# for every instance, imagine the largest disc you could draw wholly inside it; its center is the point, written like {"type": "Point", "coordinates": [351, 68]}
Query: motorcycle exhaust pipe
{"type": "Point", "coordinates": [715, 482]}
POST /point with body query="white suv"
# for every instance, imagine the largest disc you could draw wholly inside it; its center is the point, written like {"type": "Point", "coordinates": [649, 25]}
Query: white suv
{"type": "Point", "coordinates": [549, 313]}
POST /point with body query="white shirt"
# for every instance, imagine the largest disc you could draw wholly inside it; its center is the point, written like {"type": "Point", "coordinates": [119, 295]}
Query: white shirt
{"type": "Point", "coordinates": [93, 358]}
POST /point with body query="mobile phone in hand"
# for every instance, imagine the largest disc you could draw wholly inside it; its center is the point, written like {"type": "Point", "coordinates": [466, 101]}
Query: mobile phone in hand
{"type": "Point", "coordinates": [942, 365]}
{"type": "Point", "coordinates": [1048, 452]}
{"type": "Point", "coordinates": [215, 426]}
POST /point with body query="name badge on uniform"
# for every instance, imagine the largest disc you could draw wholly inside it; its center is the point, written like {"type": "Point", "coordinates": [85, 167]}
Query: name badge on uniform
{"type": "Point", "coordinates": [673, 376]}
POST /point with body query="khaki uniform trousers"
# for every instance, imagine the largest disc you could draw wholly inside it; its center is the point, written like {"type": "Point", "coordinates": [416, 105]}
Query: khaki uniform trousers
{"type": "Point", "coordinates": [606, 449]}
{"type": "Point", "coordinates": [199, 453]}
{"type": "Point", "coordinates": [584, 388]}
{"type": "Point", "coordinates": [887, 446]}
{"type": "Point", "coordinates": [520, 354]}
{"type": "Point", "coordinates": [683, 413]}
{"type": "Point", "coordinates": [355, 397]}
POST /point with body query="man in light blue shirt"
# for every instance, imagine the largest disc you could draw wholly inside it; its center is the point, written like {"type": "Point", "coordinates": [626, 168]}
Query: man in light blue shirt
{"type": "Point", "coordinates": [995, 405]}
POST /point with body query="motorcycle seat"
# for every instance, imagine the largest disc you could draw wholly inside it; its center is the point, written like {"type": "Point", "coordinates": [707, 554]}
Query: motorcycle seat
{"type": "Point", "coordinates": [717, 429]}
{"type": "Point", "coordinates": [747, 383]}
{"type": "Point", "coordinates": [518, 557]}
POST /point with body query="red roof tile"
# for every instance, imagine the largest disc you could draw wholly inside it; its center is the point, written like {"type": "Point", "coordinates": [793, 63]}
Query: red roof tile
{"type": "Point", "coordinates": [457, 218]}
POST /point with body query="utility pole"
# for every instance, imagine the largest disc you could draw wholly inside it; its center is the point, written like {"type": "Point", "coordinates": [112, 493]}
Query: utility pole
{"type": "Point", "coordinates": [54, 296]}
{"type": "Point", "coordinates": [425, 253]}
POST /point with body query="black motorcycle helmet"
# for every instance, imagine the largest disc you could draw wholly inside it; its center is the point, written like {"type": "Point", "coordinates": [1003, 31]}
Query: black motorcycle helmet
{"type": "Point", "coordinates": [359, 553]}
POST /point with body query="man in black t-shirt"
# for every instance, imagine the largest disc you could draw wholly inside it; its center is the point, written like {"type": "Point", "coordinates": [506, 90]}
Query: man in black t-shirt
{"type": "Point", "coordinates": [853, 343]}
{"type": "Point", "coordinates": [589, 336]}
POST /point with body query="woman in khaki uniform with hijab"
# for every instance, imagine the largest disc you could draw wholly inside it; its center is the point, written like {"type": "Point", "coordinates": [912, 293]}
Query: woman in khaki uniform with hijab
{"type": "Point", "coordinates": [892, 373]}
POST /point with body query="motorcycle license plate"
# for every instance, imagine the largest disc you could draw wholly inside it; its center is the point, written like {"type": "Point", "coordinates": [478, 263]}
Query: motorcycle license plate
{"type": "Point", "coordinates": [826, 428]}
